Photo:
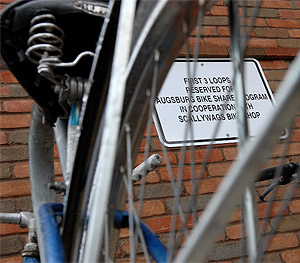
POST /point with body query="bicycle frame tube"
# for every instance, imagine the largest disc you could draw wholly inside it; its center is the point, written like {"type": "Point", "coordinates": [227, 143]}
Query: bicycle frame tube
{"type": "Point", "coordinates": [41, 143]}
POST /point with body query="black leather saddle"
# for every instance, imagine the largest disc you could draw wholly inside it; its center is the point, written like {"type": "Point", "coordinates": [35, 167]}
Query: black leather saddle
{"type": "Point", "coordinates": [65, 28]}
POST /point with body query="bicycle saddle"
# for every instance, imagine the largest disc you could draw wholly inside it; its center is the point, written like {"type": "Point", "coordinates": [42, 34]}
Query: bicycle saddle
{"type": "Point", "coordinates": [36, 33]}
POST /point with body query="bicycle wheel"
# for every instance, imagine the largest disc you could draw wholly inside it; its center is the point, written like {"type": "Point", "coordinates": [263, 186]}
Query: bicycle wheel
{"type": "Point", "coordinates": [164, 27]}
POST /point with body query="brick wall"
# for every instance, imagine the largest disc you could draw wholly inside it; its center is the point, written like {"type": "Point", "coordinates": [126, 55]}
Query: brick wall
{"type": "Point", "coordinates": [276, 40]}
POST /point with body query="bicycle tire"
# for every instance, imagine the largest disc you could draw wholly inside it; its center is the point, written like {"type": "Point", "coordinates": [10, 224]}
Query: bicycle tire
{"type": "Point", "coordinates": [88, 142]}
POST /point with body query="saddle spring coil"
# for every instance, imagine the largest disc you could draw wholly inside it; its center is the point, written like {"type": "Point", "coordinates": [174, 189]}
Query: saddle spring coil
{"type": "Point", "coordinates": [45, 46]}
{"type": "Point", "coordinates": [45, 39]}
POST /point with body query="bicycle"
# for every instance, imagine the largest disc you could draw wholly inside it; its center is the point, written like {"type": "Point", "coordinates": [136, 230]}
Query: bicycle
{"type": "Point", "coordinates": [89, 234]}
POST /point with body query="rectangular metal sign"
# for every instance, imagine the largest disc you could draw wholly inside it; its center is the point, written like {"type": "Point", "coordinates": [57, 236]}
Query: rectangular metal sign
{"type": "Point", "coordinates": [209, 98]}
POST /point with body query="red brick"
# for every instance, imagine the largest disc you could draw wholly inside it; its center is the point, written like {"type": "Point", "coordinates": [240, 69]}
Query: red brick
{"type": "Point", "coordinates": [216, 21]}
{"type": "Point", "coordinates": [281, 52]}
{"type": "Point", "coordinates": [15, 121]}
{"type": "Point", "coordinates": [219, 2]}
{"type": "Point", "coordinates": [192, 42]}
{"type": "Point", "coordinates": [5, 91]}
{"type": "Point", "coordinates": [160, 224]}
{"type": "Point", "coordinates": [21, 170]}
{"type": "Point", "coordinates": [296, 4]}
{"type": "Point", "coordinates": [291, 256]}
{"type": "Point", "coordinates": [171, 157]}
{"type": "Point", "coordinates": [230, 153]}
{"type": "Point", "coordinates": [276, 4]}
{"type": "Point", "coordinates": [7, 229]}
{"type": "Point", "coordinates": [267, 12]}
{"type": "Point", "coordinates": [276, 207]}
{"type": "Point", "coordinates": [19, 136]}
{"type": "Point", "coordinates": [295, 136]}
{"type": "Point", "coordinates": [273, 64]}
{"type": "Point", "coordinates": [267, 75]}
{"type": "Point", "coordinates": [163, 224]}
{"type": "Point", "coordinates": [206, 31]}
{"type": "Point", "coordinates": [150, 208]}
{"type": "Point", "coordinates": [14, 153]}
{"type": "Point", "coordinates": [271, 32]}
{"type": "Point", "coordinates": [208, 51]}
{"type": "Point", "coordinates": [260, 22]}
{"type": "Point", "coordinates": [272, 22]}
{"type": "Point", "coordinates": [235, 231]}
{"type": "Point", "coordinates": [214, 51]}
{"type": "Point", "coordinates": [124, 232]}
{"type": "Point", "coordinates": [153, 131]}
{"type": "Point", "coordinates": [218, 169]}
{"type": "Point", "coordinates": [215, 156]}
{"type": "Point", "coordinates": [290, 223]}
{"type": "Point", "coordinates": [258, 53]}
{"type": "Point", "coordinates": [3, 138]}
{"type": "Point", "coordinates": [224, 31]}
{"type": "Point", "coordinates": [187, 173]}
{"type": "Point", "coordinates": [18, 105]}
{"type": "Point", "coordinates": [144, 144]}
{"type": "Point", "coordinates": [291, 43]}
{"type": "Point", "coordinates": [294, 206]}
{"type": "Point", "coordinates": [295, 33]}
{"type": "Point", "coordinates": [236, 216]}
{"type": "Point", "coordinates": [206, 186]}
{"type": "Point", "coordinates": [151, 178]}
{"type": "Point", "coordinates": [297, 122]}
{"type": "Point", "coordinates": [217, 42]}
{"type": "Point", "coordinates": [219, 10]}
{"type": "Point", "coordinates": [11, 260]}
{"type": "Point", "coordinates": [125, 247]}
{"type": "Point", "coordinates": [57, 168]}
{"type": "Point", "coordinates": [155, 144]}
{"type": "Point", "coordinates": [209, 31]}
{"type": "Point", "coordinates": [7, 77]}
{"type": "Point", "coordinates": [290, 14]}
{"type": "Point", "coordinates": [5, 171]}
{"type": "Point", "coordinates": [294, 149]}
{"type": "Point", "coordinates": [14, 188]}
{"type": "Point", "coordinates": [56, 153]}
{"type": "Point", "coordinates": [12, 92]}
{"type": "Point", "coordinates": [283, 241]}
{"type": "Point", "coordinates": [259, 42]}
{"type": "Point", "coordinates": [6, 1]}
{"type": "Point", "coordinates": [276, 74]}
{"type": "Point", "coordinates": [274, 85]}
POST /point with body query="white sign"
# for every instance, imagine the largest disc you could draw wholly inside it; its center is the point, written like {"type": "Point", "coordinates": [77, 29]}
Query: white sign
{"type": "Point", "coordinates": [209, 99]}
